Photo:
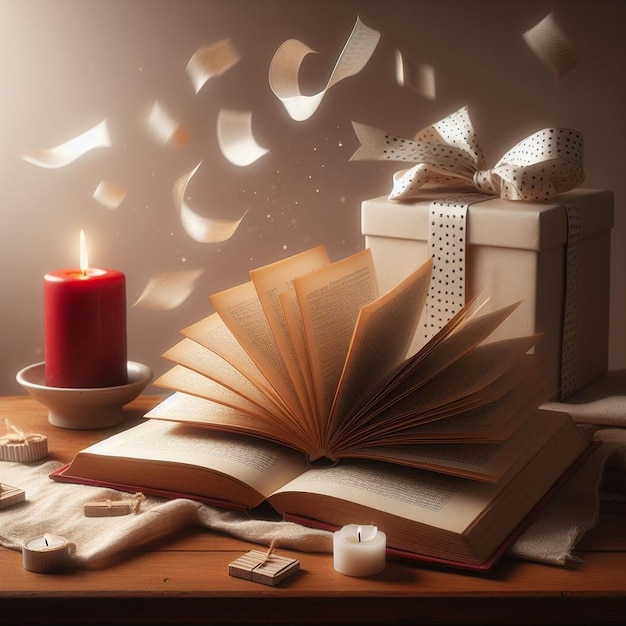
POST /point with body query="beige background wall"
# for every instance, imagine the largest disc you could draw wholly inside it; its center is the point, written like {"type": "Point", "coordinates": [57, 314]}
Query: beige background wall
{"type": "Point", "coordinates": [67, 64]}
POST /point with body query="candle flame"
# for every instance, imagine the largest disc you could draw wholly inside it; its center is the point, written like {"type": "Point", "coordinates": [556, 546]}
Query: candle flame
{"type": "Point", "coordinates": [84, 261]}
{"type": "Point", "coordinates": [365, 534]}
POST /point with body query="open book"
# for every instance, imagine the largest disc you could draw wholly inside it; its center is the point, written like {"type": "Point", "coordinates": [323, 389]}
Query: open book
{"type": "Point", "coordinates": [298, 391]}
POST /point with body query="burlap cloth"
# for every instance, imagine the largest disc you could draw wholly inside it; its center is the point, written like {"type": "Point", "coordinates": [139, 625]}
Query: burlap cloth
{"type": "Point", "coordinates": [57, 508]}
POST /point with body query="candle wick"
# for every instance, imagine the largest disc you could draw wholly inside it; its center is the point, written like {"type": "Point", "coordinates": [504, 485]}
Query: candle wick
{"type": "Point", "coordinates": [359, 536]}
{"type": "Point", "coordinates": [46, 540]}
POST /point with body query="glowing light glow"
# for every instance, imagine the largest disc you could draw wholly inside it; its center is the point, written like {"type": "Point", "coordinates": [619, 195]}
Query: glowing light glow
{"type": "Point", "coordinates": [84, 260]}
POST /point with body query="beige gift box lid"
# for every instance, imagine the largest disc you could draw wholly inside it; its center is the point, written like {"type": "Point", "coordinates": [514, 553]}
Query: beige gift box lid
{"type": "Point", "coordinates": [494, 222]}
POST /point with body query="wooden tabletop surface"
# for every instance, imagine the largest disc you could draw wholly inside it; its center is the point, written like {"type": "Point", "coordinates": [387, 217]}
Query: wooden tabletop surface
{"type": "Point", "coordinates": [184, 579]}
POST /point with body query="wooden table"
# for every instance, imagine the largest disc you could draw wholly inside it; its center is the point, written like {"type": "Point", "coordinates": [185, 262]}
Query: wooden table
{"type": "Point", "coordinates": [184, 580]}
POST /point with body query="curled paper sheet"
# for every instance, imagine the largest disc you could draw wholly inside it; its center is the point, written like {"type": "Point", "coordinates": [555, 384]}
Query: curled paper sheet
{"type": "Point", "coordinates": [165, 129]}
{"type": "Point", "coordinates": [211, 60]}
{"type": "Point", "coordinates": [109, 194]}
{"type": "Point", "coordinates": [168, 290]}
{"type": "Point", "coordinates": [66, 153]}
{"type": "Point", "coordinates": [285, 68]}
{"type": "Point", "coordinates": [199, 228]}
{"type": "Point", "coordinates": [418, 77]}
{"type": "Point", "coordinates": [235, 139]}
{"type": "Point", "coordinates": [551, 46]}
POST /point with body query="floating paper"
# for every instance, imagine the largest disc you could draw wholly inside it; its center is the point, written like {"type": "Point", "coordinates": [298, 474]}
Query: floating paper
{"type": "Point", "coordinates": [235, 139]}
{"type": "Point", "coordinates": [66, 153]}
{"type": "Point", "coordinates": [418, 77]}
{"type": "Point", "coordinates": [211, 60]}
{"type": "Point", "coordinates": [166, 129]}
{"type": "Point", "coordinates": [168, 290]}
{"type": "Point", "coordinates": [199, 228]}
{"type": "Point", "coordinates": [552, 46]}
{"type": "Point", "coordinates": [109, 194]}
{"type": "Point", "coordinates": [285, 68]}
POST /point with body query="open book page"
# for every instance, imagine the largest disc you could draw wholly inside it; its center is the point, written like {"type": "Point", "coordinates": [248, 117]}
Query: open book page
{"type": "Point", "coordinates": [441, 516]}
{"type": "Point", "coordinates": [494, 421]}
{"type": "Point", "coordinates": [330, 300]}
{"type": "Point", "coordinates": [462, 386]}
{"type": "Point", "coordinates": [457, 338]}
{"type": "Point", "coordinates": [276, 280]}
{"type": "Point", "coordinates": [407, 368]}
{"type": "Point", "coordinates": [426, 497]}
{"type": "Point", "coordinates": [213, 334]}
{"type": "Point", "coordinates": [484, 462]}
{"type": "Point", "coordinates": [241, 311]}
{"type": "Point", "coordinates": [381, 339]}
{"type": "Point", "coordinates": [477, 378]}
{"type": "Point", "coordinates": [470, 333]}
{"type": "Point", "coordinates": [194, 410]}
{"type": "Point", "coordinates": [513, 398]}
{"type": "Point", "coordinates": [180, 378]}
{"type": "Point", "coordinates": [515, 395]}
{"type": "Point", "coordinates": [193, 356]}
{"type": "Point", "coordinates": [244, 463]}
{"type": "Point", "coordinates": [293, 320]}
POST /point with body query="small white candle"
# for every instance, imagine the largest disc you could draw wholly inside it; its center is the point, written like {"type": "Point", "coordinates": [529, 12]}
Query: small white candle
{"type": "Point", "coordinates": [46, 553]}
{"type": "Point", "coordinates": [359, 550]}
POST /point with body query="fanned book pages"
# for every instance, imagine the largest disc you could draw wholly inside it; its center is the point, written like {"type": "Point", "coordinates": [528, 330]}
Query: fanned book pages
{"type": "Point", "coordinates": [298, 391]}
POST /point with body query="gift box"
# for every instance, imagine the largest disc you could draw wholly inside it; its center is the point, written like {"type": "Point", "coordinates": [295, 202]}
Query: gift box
{"type": "Point", "coordinates": [517, 251]}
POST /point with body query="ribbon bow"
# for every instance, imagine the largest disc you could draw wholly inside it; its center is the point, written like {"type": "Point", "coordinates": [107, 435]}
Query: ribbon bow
{"type": "Point", "coordinates": [448, 156]}
{"type": "Point", "coordinates": [16, 436]}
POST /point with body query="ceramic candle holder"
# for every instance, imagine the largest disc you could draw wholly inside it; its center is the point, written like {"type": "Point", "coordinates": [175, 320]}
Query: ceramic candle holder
{"type": "Point", "coordinates": [88, 408]}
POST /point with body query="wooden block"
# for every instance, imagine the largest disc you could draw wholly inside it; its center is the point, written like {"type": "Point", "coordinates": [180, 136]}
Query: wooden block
{"type": "Point", "coordinates": [107, 508]}
{"type": "Point", "coordinates": [10, 496]}
{"type": "Point", "coordinates": [260, 568]}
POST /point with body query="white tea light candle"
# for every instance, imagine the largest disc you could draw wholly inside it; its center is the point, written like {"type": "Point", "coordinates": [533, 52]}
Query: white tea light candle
{"type": "Point", "coordinates": [359, 550]}
{"type": "Point", "coordinates": [46, 553]}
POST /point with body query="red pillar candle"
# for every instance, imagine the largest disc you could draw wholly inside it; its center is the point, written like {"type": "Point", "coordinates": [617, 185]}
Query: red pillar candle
{"type": "Point", "coordinates": [85, 327]}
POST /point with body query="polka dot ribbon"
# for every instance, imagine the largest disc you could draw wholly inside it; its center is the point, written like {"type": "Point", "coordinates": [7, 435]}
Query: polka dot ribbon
{"type": "Point", "coordinates": [447, 223]}
{"type": "Point", "coordinates": [448, 157]}
{"type": "Point", "coordinates": [569, 373]}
